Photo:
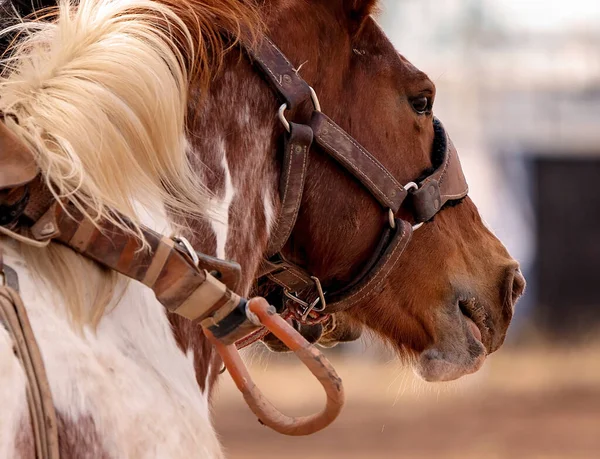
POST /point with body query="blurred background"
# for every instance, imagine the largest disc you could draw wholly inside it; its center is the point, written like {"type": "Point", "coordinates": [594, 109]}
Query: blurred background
{"type": "Point", "coordinates": [519, 91]}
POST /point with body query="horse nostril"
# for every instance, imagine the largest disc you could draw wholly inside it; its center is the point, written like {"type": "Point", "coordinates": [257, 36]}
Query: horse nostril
{"type": "Point", "coordinates": [518, 286]}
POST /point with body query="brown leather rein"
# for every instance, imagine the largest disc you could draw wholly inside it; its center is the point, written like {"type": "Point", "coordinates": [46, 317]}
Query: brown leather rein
{"type": "Point", "coordinates": [201, 288]}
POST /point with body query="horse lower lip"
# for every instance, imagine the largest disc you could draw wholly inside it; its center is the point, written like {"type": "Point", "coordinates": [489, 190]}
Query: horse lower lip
{"type": "Point", "coordinates": [474, 329]}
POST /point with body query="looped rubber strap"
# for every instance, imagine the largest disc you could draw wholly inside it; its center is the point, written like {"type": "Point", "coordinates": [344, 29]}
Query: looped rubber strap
{"type": "Point", "coordinates": [314, 360]}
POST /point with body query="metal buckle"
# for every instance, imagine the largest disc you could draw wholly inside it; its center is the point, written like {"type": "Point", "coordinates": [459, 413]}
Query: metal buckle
{"type": "Point", "coordinates": [189, 249]}
{"type": "Point", "coordinates": [309, 307]}
{"type": "Point", "coordinates": [281, 115]}
{"type": "Point", "coordinates": [315, 99]}
{"type": "Point", "coordinates": [284, 107]}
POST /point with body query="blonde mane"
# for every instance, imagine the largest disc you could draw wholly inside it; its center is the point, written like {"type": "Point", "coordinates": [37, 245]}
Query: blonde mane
{"type": "Point", "coordinates": [100, 94]}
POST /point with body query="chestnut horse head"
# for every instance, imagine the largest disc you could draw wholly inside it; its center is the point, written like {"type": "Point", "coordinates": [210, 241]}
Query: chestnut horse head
{"type": "Point", "coordinates": [450, 298]}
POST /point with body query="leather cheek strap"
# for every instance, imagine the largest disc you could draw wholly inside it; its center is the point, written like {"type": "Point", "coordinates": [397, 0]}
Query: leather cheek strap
{"type": "Point", "coordinates": [293, 175]}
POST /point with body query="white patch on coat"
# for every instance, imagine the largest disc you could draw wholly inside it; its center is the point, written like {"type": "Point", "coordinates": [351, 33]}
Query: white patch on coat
{"type": "Point", "coordinates": [221, 205]}
{"type": "Point", "coordinates": [269, 211]}
{"type": "Point", "coordinates": [244, 114]}
{"type": "Point", "coordinates": [129, 376]}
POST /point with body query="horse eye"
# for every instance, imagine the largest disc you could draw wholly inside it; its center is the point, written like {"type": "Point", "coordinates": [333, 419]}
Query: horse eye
{"type": "Point", "coordinates": [421, 105]}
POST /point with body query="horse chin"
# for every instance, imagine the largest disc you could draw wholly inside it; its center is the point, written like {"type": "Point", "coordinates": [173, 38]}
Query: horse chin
{"type": "Point", "coordinates": [459, 351]}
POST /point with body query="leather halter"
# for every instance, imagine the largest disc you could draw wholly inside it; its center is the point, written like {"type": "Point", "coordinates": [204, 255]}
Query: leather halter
{"type": "Point", "coordinates": [425, 198]}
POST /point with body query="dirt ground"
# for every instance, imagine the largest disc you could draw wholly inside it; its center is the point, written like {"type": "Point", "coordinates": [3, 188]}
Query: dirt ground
{"type": "Point", "coordinates": [523, 404]}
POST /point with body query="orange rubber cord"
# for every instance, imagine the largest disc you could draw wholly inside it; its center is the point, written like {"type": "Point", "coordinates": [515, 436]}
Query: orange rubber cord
{"type": "Point", "coordinates": [314, 360]}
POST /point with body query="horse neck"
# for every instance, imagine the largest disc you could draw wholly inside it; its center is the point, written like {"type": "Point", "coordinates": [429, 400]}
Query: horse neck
{"type": "Point", "coordinates": [232, 144]}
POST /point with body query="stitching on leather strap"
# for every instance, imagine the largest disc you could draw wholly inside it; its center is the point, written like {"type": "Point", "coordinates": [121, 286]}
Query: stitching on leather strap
{"type": "Point", "coordinates": [368, 155]}
{"type": "Point", "coordinates": [288, 222]}
{"type": "Point", "coordinates": [447, 163]}
{"type": "Point", "coordinates": [275, 78]}
{"type": "Point", "coordinates": [289, 271]}
{"type": "Point", "coordinates": [276, 49]}
{"type": "Point", "coordinates": [361, 173]}
{"type": "Point", "coordinates": [276, 229]}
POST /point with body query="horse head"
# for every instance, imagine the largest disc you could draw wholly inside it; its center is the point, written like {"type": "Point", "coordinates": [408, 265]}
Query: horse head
{"type": "Point", "coordinates": [449, 299]}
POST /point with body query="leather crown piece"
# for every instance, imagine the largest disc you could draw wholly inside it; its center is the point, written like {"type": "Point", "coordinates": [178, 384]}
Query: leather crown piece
{"type": "Point", "coordinates": [446, 183]}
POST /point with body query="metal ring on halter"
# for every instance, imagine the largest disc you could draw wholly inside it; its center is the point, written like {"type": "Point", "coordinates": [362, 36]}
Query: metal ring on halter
{"type": "Point", "coordinates": [281, 115]}
{"type": "Point", "coordinates": [410, 186]}
{"type": "Point", "coordinates": [188, 248]}
{"type": "Point", "coordinates": [413, 186]}
{"type": "Point", "coordinates": [321, 297]}
{"type": "Point", "coordinates": [392, 219]}
{"type": "Point", "coordinates": [417, 226]}
{"type": "Point", "coordinates": [295, 299]}
{"type": "Point", "coordinates": [315, 99]}
{"type": "Point", "coordinates": [284, 107]}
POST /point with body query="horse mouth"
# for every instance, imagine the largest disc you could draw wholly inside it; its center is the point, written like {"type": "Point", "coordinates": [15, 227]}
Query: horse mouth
{"type": "Point", "coordinates": [459, 349]}
{"type": "Point", "coordinates": [475, 317]}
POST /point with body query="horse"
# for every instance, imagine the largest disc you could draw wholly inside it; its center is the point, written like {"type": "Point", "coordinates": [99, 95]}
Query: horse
{"type": "Point", "coordinates": [152, 109]}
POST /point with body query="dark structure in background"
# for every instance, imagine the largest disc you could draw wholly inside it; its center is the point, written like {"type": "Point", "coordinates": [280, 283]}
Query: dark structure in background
{"type": "Point", "coordinates": [568, 244]}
